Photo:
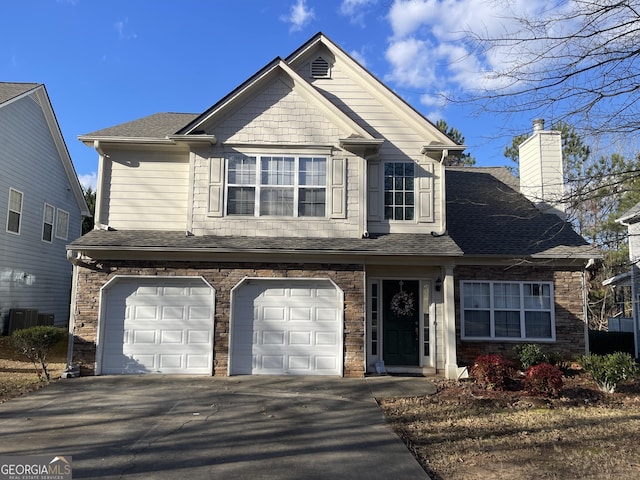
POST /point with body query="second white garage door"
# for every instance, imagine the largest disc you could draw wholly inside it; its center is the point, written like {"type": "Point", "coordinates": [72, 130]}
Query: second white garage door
{"type": "Point", "coordinates": [281, 328]}
{"type": "Point", "coordinates": [157, 325]}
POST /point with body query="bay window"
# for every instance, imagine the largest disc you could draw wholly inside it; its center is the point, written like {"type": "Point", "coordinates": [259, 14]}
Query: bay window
{"type": "Point", "coordinates": [507, 310]}
{"type": "Point", "coordinates": [283, 186]}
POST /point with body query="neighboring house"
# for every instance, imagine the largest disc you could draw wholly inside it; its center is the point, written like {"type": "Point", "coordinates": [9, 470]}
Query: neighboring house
{"type": "Point", "coordinates": [631, 219]}
{"type": "Point", "coordinates": [41, 207]}
{"type": "Point", "coordinates": [305, 224]}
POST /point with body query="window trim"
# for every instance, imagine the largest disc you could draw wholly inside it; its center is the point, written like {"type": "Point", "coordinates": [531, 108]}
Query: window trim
{"type": "Point", "coordinates": [492, 310]}
{"type": "Point", "coordinates": [19, 213]}
{"type": "Point", "coordinates": [257, 185]}
{"type": "Point", "coordinates": [45, 223]}
{"type": "Point", "coordinates": [58, 224]}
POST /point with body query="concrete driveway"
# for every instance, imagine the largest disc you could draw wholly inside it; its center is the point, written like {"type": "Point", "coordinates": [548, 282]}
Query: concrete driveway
{"type": "Point", "coordinates": [250, 427]}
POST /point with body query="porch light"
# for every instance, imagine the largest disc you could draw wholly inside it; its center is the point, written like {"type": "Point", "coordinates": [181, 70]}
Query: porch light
{"type": "Point", "coordinates": [438, 284]}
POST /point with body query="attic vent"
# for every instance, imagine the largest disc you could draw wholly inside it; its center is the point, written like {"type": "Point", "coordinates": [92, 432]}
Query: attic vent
{"type": "Point", "coordinates": [320, 68]}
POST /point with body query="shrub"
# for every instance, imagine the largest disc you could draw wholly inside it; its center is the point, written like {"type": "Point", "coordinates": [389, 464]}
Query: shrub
{"type": "Point", "coordinates": [530, 354]}
{"type": "Point", "coordinates": [492, 371]}
{"type": "Point", "coordinates": [543, 379]}
{"type": "Point", "coordinates": [608, 370]}
{"type": "Point", "coordinates": [36, 343]}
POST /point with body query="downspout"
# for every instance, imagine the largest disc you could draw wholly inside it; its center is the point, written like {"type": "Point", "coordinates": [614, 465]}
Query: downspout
{"type": "Point", "coordinates": [97, 215]}
{"type": "Point", "coordinates": [443, 195]}
{"type": "Point", "coordinates": [585, 308]}
{"type": "Point", "coordinates": [364, 198]}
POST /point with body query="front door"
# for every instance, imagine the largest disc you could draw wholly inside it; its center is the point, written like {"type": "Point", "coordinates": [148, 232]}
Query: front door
{"type": "Point", "coordinates": [401, 322]}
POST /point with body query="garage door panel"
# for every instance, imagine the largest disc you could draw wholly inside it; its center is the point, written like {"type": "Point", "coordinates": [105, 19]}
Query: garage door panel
{"type": "Point", "coordinates": [291, 329]}
{"type": "Point", "coordinates": [156, 325]}
{"type": "Point", "coordinates": [271, 337]}
{"type": "Point", "coordinates": [300, 338]}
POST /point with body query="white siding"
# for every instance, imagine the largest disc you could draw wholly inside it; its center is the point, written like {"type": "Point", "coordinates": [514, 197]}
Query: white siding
{"type": "Point", "coordinates": [33, 274]}
{"type": "Point", "coordinates": [402, 143]}
{"type": "Point", "coordinates": [541, 176]}
{"type": "Point", "coordinates": [146, 190]}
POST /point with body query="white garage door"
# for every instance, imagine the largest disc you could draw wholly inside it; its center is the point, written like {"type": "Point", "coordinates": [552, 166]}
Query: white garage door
{"type": "Point", "coordinates": [157, 325]}
{"type": "Point", "coordinates": [286, 328]}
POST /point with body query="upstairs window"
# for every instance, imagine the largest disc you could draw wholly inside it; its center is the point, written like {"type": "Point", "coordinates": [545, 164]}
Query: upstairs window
{"type": "Point", "coordinates": [508, 310]}
{"type": "Point", "coordinates": [62, 225]}
{"type": "Point", "coordinates": [281, 186]}
{"type": "Point", "coordinates": [47, 223]}
{"type": "Point", "coordinates": [14, 213]}
{"type": "Point", "coordinates": [399, 191]}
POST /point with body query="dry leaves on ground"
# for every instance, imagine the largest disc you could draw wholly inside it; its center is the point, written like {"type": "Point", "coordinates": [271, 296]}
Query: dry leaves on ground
{"type": "Point", "coordinates": [18, 375]}
{"type": "Point", "coordinates": [464, 432]}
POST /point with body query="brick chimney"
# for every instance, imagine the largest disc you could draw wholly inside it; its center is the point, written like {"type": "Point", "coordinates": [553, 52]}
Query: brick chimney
{"type": "Point", "coordinates": [541, 175]}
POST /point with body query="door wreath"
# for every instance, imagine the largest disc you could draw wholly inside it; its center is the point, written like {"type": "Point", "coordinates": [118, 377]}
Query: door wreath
{"type": "Point", "coordinates": [402, 303]}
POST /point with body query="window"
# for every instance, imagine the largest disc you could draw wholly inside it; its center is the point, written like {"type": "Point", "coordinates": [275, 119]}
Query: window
{"type": "Point", "coordinates": [62, 225]}
{"type": "Point", "coordinates": [399, 195]}
{"type": "Point", "coordinates": [507, 310]}
{"type": "Point", "coordinates": [47, 223]}
{"type": "Point", "coordinates": [14, 214]}
{"type": "Point", "coordinates": [283, 186]}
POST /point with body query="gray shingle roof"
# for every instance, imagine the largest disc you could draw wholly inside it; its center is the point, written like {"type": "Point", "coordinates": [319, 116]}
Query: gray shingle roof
{"type": "Point", "coordinates": [9, 90]}
{"type": "Point", "coordinates": [389, 244]}
{"type": "Point", "coordinates": [487, 215]}
{"type": "Point", "coordinates": [158, 125]}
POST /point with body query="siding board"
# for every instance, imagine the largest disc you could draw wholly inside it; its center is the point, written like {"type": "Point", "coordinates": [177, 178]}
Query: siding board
{"type": "Point", "coordinates": [33, 274]}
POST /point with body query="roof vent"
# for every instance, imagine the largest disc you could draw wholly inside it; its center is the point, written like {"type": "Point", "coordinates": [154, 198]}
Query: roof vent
{"type": "Point", "coordinates": [320, 68]}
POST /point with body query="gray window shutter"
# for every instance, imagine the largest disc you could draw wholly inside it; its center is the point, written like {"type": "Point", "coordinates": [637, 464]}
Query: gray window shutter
{"type": "Point", "coordinates": [216, 187]}
{"type": "Point", "coordinates": [338, 186]}
{"type": "Point", "coordinates": [374, 204]}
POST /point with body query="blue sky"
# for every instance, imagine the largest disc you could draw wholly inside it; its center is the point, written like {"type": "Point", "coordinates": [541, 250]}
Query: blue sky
{"type": "Point", "coordinates": [106, 62]}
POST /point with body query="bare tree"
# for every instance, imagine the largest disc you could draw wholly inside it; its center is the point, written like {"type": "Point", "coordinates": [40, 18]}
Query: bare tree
{"type": "Point", "coordinates": [577, 62]}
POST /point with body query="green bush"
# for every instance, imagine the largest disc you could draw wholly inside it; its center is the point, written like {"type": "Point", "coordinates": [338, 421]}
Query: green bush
{"type": "Point", "coordinates": [35, 343]}
{"type": "Point", "coordinates": [530, 354]}
{"type": "Point", "coordinates": [492, 371]}
{"type": "Point", "coordinates": [609, 370]}
{"type": "Point", "coordinates": [543, 379]}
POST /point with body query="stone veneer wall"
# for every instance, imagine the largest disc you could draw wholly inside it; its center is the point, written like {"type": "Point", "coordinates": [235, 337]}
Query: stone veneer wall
{"type": "Point", "coordinates": [223, 277]}
{"type": "Point", "coordinates": [569, 319]}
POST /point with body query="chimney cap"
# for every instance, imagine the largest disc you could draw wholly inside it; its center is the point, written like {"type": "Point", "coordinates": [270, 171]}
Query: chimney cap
{"type": "Point", "coordinates": [538, 125]}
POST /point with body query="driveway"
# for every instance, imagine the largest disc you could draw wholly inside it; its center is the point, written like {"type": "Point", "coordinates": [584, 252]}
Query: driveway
{"type": "Point", "coordinates": [249, 427]}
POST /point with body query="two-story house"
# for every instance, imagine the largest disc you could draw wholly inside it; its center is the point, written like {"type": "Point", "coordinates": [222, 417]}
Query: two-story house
{"type": "Point", "coordinates": [306, 224]}
{"type": "Point", "coordinates": [41, 209]}
{"type": "Point", "coordinates": [631, 219]}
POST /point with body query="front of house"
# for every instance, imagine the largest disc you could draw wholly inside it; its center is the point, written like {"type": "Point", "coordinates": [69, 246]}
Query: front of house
{"type": "Point", "coordinates": [306, 225]}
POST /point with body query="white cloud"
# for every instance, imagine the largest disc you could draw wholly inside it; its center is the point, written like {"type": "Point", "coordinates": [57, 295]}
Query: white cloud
{"type": "Point", "coordinates": [89, 180]}
{"type": "Point", "coordinates": [299, 16]}
{"type": "Point", "coordinates": [356, 10]}
{"type": "Point", "coordinates": [123, 31]}
{"type": "Point", "coordinates": [359, 57]}
{"type": "Point", "coordinates": [431, 45]}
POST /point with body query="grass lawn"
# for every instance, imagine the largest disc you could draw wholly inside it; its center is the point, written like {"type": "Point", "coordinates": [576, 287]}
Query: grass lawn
{"type": "Point", "coordinates": [18, 374]}
{"type": "Point", "coordinates": [464, 432]}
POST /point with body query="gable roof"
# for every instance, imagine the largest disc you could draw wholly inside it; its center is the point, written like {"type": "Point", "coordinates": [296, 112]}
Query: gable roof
{"type": "Point", "coordinates": [394, 102]}
{"type": "Point", "coordinates": [13, 91]}
{"type": "Point", "coordinates": [10, 91]}
{"type": "Point", "coordinates": [488, 216]}
{"type": "Point", "coordinates": [273, 68]}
